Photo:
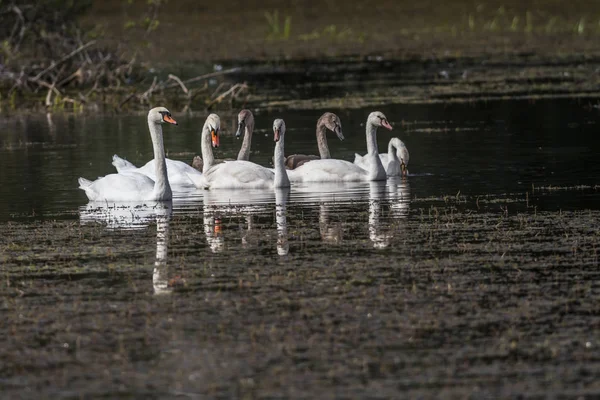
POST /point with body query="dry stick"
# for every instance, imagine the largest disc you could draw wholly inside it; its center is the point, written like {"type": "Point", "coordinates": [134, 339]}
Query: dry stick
{"type": "Point", "coordinates": [217, 90]}
{"type": "Point", "coordinates": [206, 76]}
{"type": "Point", "coordinates": [147, 93]}
{"type": "Point", "coordinates": [68, 79]}
{"type": "Point", "coordinates": [223, 95]}
{"type": "Point", "coordinates": [65, 58]}
{"type": "Point", "coordinates": [51, 88]}
{"type": "Point", "coordinates": [176, 79]}
{"type": "Point", "coordinates": [122, 103]}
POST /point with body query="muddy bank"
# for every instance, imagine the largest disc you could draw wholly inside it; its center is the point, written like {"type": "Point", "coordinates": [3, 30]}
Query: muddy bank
{"type": "Point", "coordinates": [436, 52]}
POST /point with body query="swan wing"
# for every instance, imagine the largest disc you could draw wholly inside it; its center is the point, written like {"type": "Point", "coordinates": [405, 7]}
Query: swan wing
{"type": "Point", "coordinates": [122, 165]}
{"type": "Point", "coordinates": [239, 174]}
{"type": "Point", "coordinates": [177, 171]}
{"type": "Point", "coordinates": [118, 187]}
{"type": "Point", "coordinates": [330, 170]}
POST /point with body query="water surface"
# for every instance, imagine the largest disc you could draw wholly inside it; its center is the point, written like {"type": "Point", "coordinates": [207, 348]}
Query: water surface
{"type": "Point", "coordinates": [477, 275]}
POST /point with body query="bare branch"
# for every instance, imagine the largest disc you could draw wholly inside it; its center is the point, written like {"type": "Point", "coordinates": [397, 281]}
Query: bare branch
{"type": "Point", "coordinates": [65, 58]}
{"type": "Point", "coordinates": [176, 79]}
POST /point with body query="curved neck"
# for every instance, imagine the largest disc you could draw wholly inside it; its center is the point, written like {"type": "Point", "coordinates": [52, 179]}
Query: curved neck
{"type": "Point", "coordinates": [207, 153]}
{"type": "Point", "coordinates": [244, 153]}
{"type": "Point", "coordinates": [322, 140]}
{"type": "Point", "coordinates": [393, 150]}
{"type": "Point", "coordinates": [162, 189]}
{"type": "Point", "coordinates": [376, 170]}
{"type": "Point", "coordinates": [281, 178]}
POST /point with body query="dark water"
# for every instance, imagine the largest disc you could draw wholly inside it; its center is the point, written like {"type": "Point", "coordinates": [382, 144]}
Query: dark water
{"type": "Point", "coordinates": [495, 148]}
{"type": "Point", "coordinates": [476, 276]}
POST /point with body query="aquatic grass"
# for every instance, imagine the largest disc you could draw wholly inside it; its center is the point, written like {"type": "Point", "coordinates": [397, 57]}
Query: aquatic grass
{"type": "Point", "coordinates": [275, 31]}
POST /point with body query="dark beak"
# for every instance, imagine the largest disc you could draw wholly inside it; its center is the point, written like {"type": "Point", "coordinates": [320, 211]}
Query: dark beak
{"type": "Point", "coordinates": [338, 132]}
{"type": "Point", "coordinates": [240, 129]}
{"type": "Point", "coordinates": [403, 168]}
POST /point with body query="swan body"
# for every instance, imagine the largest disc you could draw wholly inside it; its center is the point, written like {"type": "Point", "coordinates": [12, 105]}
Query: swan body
{"type": "Point", "coordinates": [245, 128]}
{"type": "Point", "coordinates": [180, 173]}
{"type": "Point", "coordinates": [176, 170]}
{"type": "Point", "coordinates": [326, 121]}
{"type": "Point", "coordinates": [241, 174]}
{"type": "Point", "coordinates": [394, 161]}
{"type": "Point", "coordinates": [332, 170]}
{"type": "Point", "coordinates": [134, 186]}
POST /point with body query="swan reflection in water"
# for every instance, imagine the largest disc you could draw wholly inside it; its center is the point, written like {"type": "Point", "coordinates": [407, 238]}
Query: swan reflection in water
{"type": "Point", "coordinates": [137, 216]}
{"type": "Point", "coordinates": [394, 194]}
{"type": "Point", "coordinates": [160, 280]}
{"type": "Point", "coordinates": [224, 203]}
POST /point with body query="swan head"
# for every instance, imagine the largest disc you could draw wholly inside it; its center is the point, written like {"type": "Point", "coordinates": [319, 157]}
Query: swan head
{"type": "Point", "coordinates": [245, 118]}
{"type": "Point", "coordinates": [160, 115]}
{"type": "Point", "coordinates": [213, 125]}
{"type": "Point", "coordinates": [377, 118]}
{"type": "Point", "coordinates": [198, 163]}
{"type": "Point", "coordinates": [403, 156]}
{"type": "Point", "coordinates": [278, 129]}
{"type": "Point", "coordinates": [397, 149]}
{"type": "Point", "coordinates": [333, 123]}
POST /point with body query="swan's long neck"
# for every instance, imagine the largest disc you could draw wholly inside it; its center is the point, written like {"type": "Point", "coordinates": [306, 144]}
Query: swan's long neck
{"type": "Point", "coordinates": [322, 140]}
{"type": "Point", "coordinates": [162, 188]}
{"type": "Point", "coordinates": [281, 178]}
{"type": "Point", "coordinates": [244, 153]}
{"type": "Point", "coordinates": [372, 139]}
{"type": "Point", "coordinates": [207, 153]}
{"type": "Point", "coordinates": [376, 170]}
{"type": "Point", "coordinates": [393, 150]}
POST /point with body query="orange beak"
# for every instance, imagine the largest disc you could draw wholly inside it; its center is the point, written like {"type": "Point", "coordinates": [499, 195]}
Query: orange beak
{"type": "Point", "coordinates": [169, 119]}
{"type": "Point", "coordinates": [276, 135]}
{"type": "Point", "coordinates": [217, 225]}
{"type": "Point", "coordinates": [215, 138]}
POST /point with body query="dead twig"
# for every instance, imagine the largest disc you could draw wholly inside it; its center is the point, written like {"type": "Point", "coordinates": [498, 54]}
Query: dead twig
{"type": "Point", "coordinates": [205, 76]}
{"type": "Point", "coordinates": [125, 101]}
{"type": "Point", "coordinates": [226, 93]}
{"type": "Point", "coordinates": [65, 58]}
{"type": "Point", "coordinates": [152, 88]}
{"type": "Point", "coordinates": [183, 87]}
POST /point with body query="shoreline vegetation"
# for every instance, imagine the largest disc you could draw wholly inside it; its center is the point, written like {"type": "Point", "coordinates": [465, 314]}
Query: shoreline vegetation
{"type": "Point", "coordinates": [62, 55]}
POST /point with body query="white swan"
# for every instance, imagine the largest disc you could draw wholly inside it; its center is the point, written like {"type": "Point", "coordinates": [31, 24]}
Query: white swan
{"type": "Point", "coordinates": [395, 161]}
{"type": "Point", "coordinates": [241, 174]}
{"type": "Point", "coordinates": [245, 127]}
{"type": "Point", "coordinates": [327, 121]}
{"type": "Point", "coordinates": [135, 186]}
{"type": "Point", "coordinates": [344, 171]}
{"type": "Point", "coordinates": [180, 173]}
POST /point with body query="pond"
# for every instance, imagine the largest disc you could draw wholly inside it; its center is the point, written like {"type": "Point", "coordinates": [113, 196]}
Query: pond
{"type": "Point", "coordinates": [476, 275]}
